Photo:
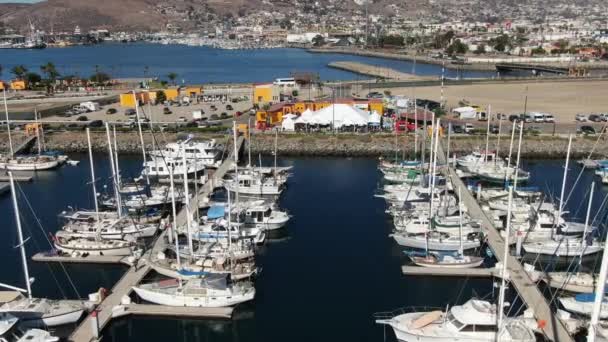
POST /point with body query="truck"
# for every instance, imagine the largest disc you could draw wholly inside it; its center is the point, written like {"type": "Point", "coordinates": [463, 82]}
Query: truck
{"type": "Point", "coordinates": [197, 115]}
{"type": "Point", "coordinates": [90, 105]}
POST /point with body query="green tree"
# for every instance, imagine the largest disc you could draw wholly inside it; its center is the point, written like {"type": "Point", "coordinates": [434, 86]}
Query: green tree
{"type": "Point", "coordinates": [442, 40]}
{"type": "Point", "coordinates": [393, 40]}
{"type": "Point", "coordinates": [457, 48]}
{"type": "Point", "coordinates": [50, 71]}
{"type": "Point", "coordinates": [32, 78]}
{"type": "Point", "coordinates": [501, 43]}
{"type": "Point", "coordinates": [19, 71]}
{"type": "Point", "coordinates": [318, 40]}
{"type": "Point", "coordinates": [100, 77]}
{"type": "Point", "coordinates": [161, 97]}
{"type": "Point", "coordinates": [538, 51]}
{"type": "Point", "coordinates": [481, 48]}
{"type": "Point", "coordinates": [295, 93]}
{"type": "Point", "coordinates": [172, 76]}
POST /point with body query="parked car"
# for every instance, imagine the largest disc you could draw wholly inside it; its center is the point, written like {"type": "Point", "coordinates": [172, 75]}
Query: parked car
{"type": "Point", "coordinates": [182, 119]}
{"type": "Point", "coordinates": [111, 111]}
{"type": "Point", "coordinates": [458, 129]}
{"type": "Point", "coordinates": [167, 111]}
{"type": "Point", "coordinates": [228, 107]}
{"type": "Point", "coordinates": [595, 118]}
{"type": "Point", "coordinates": [514, 118]}
{"type": "Point", "coordinates": [96, 123]}
{"type": "Point", "coordinates": [586, 130]}
{"type": "Point", "coordinates": [214, 117]}
{"type": "Point", "coordinates": [494, 129]}
{"type": "Point", "coordinates": [82, 118]}
{"type": "Point", "coordinates": [581, 117]}
{"type": "Point", "coordinates": [604, 117]}
{"type": "Point", "coordinates": [501, 116]}
{"type": "Point", "coordinates": [549, 118]}
{"type": "Point", "coordinates": [238, 113]}
{"type": "Point", "coordinates": [130, 111]}
{"type": "Point", "coordinates": [375, 95]}
{"type": "Point", "coordinates": [224, 115]}
{"type": "Point", "coordinates": [468, 128]}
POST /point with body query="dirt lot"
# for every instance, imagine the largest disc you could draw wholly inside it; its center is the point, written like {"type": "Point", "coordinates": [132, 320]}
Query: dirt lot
{"type": "Point", "coordinates": [562, 99]}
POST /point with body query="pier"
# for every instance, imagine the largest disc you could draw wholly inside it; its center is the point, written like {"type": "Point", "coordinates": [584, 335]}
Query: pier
{"type": "Point", "coordinates": [535, 68]}
{"type": "Point", "coordinates": [112, 305]}
{"type": "Point", "coordinates": [90, 259]}
{"type": "Point", "coordinates": [376, 71]}
{"type": "Point", "coordinates": [527, 289]}
{"type": "Point", "coordinates": [450, 272]}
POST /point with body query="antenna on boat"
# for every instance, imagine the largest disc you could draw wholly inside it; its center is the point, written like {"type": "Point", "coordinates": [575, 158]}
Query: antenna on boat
{"type": "Point", "coordinates": [26, 271]}
{"type": "Point", "coordinates": [8, 124]}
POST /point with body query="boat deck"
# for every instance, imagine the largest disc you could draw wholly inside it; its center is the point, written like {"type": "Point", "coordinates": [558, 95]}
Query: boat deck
{"type": "Point", "coordinates": [527, 289]}
{"type": "Point", "coordinates": [135, 274]}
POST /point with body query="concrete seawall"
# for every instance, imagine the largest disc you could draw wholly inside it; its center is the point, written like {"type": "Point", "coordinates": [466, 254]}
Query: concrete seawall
{"type": "Point", "coordinates": [346, 145]}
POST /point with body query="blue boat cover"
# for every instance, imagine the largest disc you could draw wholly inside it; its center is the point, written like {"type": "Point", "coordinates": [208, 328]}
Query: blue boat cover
{"type": "Point", "coordinates": [216, 212]}
{"type": "Point", "coordinates": [191, 273]}
{"type": "Point", "coordinates": [585, 297]}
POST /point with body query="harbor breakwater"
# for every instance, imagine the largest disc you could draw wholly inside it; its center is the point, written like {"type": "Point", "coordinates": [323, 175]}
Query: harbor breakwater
{"type": "Point", "coordinates": [340, 145]}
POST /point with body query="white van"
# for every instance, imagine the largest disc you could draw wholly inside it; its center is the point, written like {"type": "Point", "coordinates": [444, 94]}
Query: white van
{"type": "Point", "coordinates": [549, 118]}
{"type": "Point", "coordinates": [535, 117]}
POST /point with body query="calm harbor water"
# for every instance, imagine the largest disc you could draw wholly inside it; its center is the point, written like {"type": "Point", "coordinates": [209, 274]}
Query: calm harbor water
{"type": "Point", "coordinates": [202, 64]}
{"type": "Point", "coordinates": [322, 281]}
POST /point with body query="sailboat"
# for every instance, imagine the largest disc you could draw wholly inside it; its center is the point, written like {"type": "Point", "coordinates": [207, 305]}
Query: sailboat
{"type": "Point", "coordinates": [14, 162]}
{"type": "Point", "coordinates": [36, 311]}
{"type": "Point", "coordinates": [10, 332]}
{"type": "Point", "coordinates": [475, 320]}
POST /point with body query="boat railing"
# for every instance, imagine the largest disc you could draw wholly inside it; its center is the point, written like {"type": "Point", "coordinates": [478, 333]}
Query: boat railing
{"type": "Point", "coordinates": [386, 315]}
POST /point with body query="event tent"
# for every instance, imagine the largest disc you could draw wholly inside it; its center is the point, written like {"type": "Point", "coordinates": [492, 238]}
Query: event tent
{"type": "Point", "coordinates": [340, 115]}
{"type": "Point", "coordinates": [289, 122]}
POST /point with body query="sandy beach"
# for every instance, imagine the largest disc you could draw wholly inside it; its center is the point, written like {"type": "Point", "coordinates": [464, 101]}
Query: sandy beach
{"type": "Point", "coordinates": [562, 99]}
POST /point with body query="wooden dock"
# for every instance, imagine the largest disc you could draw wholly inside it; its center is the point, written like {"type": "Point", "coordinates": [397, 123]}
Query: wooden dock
{"type": "Point", "coordinates": [450, 272]}
{"type": "Point", "coordinates": [16, 177]}
{"type": "Point", "coordinates": [527, 289]}
{"type": "Point", "coordinates": [105, 311]}
{"type": "Point", "coordinates": [171, 311]}
{"type": "Point", "coordinates": [90, 259]}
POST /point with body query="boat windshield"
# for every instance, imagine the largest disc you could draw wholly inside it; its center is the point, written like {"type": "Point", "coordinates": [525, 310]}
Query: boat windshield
{"type": "Point", "coordinates": [456, 323]}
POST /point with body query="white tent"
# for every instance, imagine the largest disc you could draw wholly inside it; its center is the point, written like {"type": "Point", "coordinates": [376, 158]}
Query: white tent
{"type": "Point", "coordinates": [465, 112]}
{"type": "Point", "coordinates": [305, 117]}
{"type": "Point", "coordinates": [289, 122]}
{"type": "Point", "coordinates": [374, 118]}
{"type": "Point", "coordinates": [340, 115]}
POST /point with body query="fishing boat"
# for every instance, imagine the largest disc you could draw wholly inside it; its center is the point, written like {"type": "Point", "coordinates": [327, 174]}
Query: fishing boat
{"type": "Point", "coordinates": [563, 247]}
{"type": "Point", "coordinates": [211, 292]}
{"type": "Point", "coordinates": [578, 282]}
{"type": "Point", "coordinates": [29, 163]}
{"type": "Point", "coordinates": [477, 159]}
{"type": "Point", "coordinates": [158, 167]}
{"type": "Point", "coordinates": [475, 320]}
{"type": "Point", "coordinates": [239, 250]}
{"type": "Point", "coordinates": [68, 243]}
{"type": "Point", "coordinates": [203, 266]}
{"type": "Point", "coordinates": [500, 174]}
{"type": "Point", "coordinates": [254, 185]}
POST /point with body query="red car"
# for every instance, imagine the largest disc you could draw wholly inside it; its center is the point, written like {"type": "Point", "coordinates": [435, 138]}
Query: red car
{"type": "Point", "coordinates": [238, 113]}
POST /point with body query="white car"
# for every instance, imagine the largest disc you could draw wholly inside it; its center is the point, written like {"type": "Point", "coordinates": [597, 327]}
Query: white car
{"type": "Point", "coordinates": [468, 128]}
{"type": "Point", "coordinates": [549, 118]}
{"type": "Point", "coordinates": [581, 117]}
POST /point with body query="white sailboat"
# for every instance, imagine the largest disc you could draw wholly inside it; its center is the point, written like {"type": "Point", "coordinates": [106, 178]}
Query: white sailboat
{"type": "Point", "coordinates": [10, 332]}
{"type": "Point", "coordinates": [74, 244]}
{"type": "Point", "coordinates": [36, 311]}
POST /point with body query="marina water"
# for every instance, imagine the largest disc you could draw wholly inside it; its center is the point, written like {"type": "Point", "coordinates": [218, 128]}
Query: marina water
{"type": "Point", "coordinates": [323, 280]}
{"type": "Point", "coordinates": [205, 65]}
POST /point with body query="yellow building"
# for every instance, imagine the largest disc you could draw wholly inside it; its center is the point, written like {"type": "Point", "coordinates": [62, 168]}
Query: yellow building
{"type": "Point", "coordinates": [193, 91]}
{"type": "Point", "coordinates": [172, 94]}
{"type": "Point", "coordinates": [265, 94]}
{"type": "Point", "coordinates": [2, 85]}
{"type": "Point", "coordinates": [18, 85]}
{"type": "Point", "coordinates": [128, 99]}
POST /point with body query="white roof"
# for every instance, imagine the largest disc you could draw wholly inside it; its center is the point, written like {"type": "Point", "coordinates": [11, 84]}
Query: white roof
{"type": "Point", "coordinates": [374, 117]}
{"type": "Point", "coordinates": [475, 312]}
{"type": "Point", "coordinates": [305, 117]}
{"type": "Point", "coordinates": [464, 109]}
{"type": "Point", "coordinates": [340, 115]}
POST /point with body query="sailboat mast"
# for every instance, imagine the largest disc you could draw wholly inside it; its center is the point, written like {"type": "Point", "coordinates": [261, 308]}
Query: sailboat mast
{"type": "Point", "coordinates": [599, 296]}
{"type": "Point", "coordinates": [118, 181]}
{"type": "Point", "coordinates": [461, 248]}
{"type": "Point", "coordinates": [26, 271]}
{"type": "Point", "coordinates": [415, 130]}
{"type": "Point", "coordinates": [498, 140]}
{"type": "Point", "coordinates": [92, 173]}
{"type": "Point", "coordinates": [174, 212]}
{"type": "Point", "coordinates": [8, 124]}
{"type": "Point", "coordinates": [432, 141]}
{"type": "Point", "coordinates": [516, 170]}
{"type": "Point", "coordinates": [141, 136]}
{"type": "Point", "coordinates": [501, 298]}
{"type": "Point", "coordinates": [113, 167]}
{"type": "Point", "coordinates": [187, 201]}
{"type": "Point", "coordinates": [433, 163]}
{"type": "Point", "coordinates": [580, 259]}
{"type": "Point", "coordinates": [229, 221]}
{"type": "Point", "coordinates": [510, 152]}
{"type": "Point", "coordinates": [249, 141]}
{"type": "Point", "coordinates": [485, 155]}
{"type": "Point", "coordinates": [38, 127]}
{"type": "Point", "coordinates": [276, 147]}
{"type": "Point", "coordinates": [236, 163]}
{"type": "Point", "coordinates": [561, 196]}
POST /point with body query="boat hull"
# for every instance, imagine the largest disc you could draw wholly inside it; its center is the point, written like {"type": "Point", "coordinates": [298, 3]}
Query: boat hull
{"type": "Point", "coordinates": [190, 301]}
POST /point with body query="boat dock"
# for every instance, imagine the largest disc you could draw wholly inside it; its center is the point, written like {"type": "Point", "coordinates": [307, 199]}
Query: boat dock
{"type": "Point", "coordinates": [450, 272]}
{"type": "Point", "coordinates": [92, 259]}
{"type": "Point", "coordinates": [112, 305]}
{"type": "Point", "coordinates": [527, 289]}
{"type": "Point", "coordinates": [17, 177]}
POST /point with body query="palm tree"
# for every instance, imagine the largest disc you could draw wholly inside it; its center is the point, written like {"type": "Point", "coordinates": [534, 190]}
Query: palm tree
{"type": "Point", "coordinates": [19, 71]}
{"type": "Point", "coordinates": [51, 73]}
{"type": "Point", "coordinates": [172, 76]}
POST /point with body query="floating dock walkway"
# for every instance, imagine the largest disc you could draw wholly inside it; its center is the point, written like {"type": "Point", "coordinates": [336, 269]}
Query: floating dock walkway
{"type": "Point", "coordinates": [112, 306]}
{"type": "Point", "coordinates": [527, 289]}
{"type": "Point", "coordinates": [450, 272]}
